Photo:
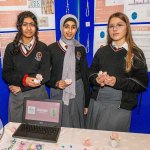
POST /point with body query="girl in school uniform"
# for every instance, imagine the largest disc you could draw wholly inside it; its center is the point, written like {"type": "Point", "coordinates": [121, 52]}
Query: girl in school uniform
{"type": "Point", "coordinates": [118, 72]}
{"type": "Point", "coordinates": [25, 65]}
{"type": "Point", "coordinates": [68, 80]}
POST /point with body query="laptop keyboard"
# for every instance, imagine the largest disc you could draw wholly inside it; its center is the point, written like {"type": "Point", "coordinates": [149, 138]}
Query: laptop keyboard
{"type": "Point", "coordinates": [39, 129]}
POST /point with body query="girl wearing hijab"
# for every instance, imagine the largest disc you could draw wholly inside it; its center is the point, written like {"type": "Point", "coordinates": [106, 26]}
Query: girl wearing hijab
{"type": "Point", "coordinates": [25, 65]}
{"type": "Point", "coordinates": [68, 80]}
{"type": "Point", "coordinates": [118, 72]}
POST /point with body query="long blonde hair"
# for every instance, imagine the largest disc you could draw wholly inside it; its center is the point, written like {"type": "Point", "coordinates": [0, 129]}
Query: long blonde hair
{"type": "Point", "coordinates": [133, 50]}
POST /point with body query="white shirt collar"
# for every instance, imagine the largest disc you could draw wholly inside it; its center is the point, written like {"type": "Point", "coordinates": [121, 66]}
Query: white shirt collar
{"type": "Point", "coordinates": [29, 44]}
{"type": "Point", "coordinates": [125, 45]}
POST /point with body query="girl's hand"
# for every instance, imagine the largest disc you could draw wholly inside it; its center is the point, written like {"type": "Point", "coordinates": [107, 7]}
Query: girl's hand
{"type": "Point", "coordinates": [31, 82]}
{"type": "Point", "coordinates": [101, 78]}
{"type": "Point", "coordinates": [85, 111]}
{"type": "Point", "coordinates": [14, 89]}
{"type": "Point", "coordinates": [61, 84]}
{"type": "Point", "coordinates": [110, 80]}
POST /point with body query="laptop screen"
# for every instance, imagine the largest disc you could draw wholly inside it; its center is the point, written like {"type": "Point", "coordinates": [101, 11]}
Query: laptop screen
{"type": "Point", "coordinates": [43, 111]}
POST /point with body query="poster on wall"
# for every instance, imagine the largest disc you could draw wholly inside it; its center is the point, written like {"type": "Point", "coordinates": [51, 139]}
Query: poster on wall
{"type": "Point", "coordinates": [100, 35]}
{"type": "Point", "coordinates": [137, 10]}
{"type": "Point", "coordinates": [141, 36]}
{"type": "Point", "coordinates": [104, 8]}
{"type": "Point", "coordinates": [43, 9]}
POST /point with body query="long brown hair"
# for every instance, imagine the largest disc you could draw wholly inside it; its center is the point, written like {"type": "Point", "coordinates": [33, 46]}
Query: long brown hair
{"type": "Point", "coordinates": [133, 50]}
{"type": "Point", "coordinates": [19, 23]}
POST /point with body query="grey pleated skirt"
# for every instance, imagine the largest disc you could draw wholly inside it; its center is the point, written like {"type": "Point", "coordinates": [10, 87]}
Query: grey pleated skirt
{"type": "Point", "coordinates": [105, 114]}
{"type": "Point", "coordinates": [72, 114]}
{"type": "Point", "coordinates": [16, 102]}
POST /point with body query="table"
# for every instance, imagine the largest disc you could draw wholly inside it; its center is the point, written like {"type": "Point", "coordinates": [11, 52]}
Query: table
{"type": "Point", "coordinates": [74, 139]}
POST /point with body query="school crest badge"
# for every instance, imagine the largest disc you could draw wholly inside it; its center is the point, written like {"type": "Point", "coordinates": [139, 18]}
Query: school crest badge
{"type": "Point", "coordinates": [38, 56]}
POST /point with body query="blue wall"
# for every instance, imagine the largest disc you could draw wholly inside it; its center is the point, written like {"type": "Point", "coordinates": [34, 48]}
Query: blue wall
{"type": "Point", "coordinates": [4, 94]}
{"type": "Point", "coordinates": [87, 27]}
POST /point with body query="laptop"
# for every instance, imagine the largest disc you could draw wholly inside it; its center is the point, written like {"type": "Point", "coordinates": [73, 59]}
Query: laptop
{"type": "Point", "coordinates": [41, 120]}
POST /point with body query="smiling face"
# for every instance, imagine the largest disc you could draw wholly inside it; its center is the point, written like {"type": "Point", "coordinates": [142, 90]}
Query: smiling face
{"type": "Point", "coordinates": [69, 30]}
{"type": "Point", "coordinates": [117, 30]}
{"type": "Point", "coordinates": [28, 29]}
